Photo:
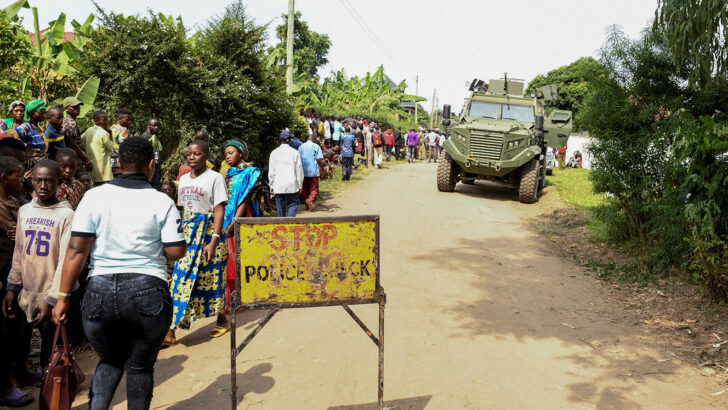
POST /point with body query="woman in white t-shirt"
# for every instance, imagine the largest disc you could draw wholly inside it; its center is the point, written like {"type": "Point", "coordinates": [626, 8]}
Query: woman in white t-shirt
{"type": "Point", "coordinates": [198, 281]}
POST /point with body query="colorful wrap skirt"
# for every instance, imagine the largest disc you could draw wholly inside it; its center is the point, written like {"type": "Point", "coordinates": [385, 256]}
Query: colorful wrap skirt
{"type": "Point", "coordinates": [198, 286]}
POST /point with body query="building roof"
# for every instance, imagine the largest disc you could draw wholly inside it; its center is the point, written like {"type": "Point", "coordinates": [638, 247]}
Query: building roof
{"type": "Point", "coordinates": [68, 36]}
{"type": "Point", "coordinates": [392, 84]}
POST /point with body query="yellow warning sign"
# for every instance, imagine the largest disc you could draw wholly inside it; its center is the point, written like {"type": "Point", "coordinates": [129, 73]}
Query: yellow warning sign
{"type": "Point", "coordinates": [308, 261]}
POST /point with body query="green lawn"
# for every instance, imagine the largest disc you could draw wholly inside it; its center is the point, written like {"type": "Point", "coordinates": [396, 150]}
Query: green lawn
{"type": "Point", "coordinates": [575, 189]}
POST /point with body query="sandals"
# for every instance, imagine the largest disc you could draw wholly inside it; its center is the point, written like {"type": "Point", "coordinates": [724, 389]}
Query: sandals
{"type": "Point", "coordinates": [17, 398]}
{"type": "Point", "coordinates": [169, 341]}
{"type": "Point", "coordinates": [218, 331]}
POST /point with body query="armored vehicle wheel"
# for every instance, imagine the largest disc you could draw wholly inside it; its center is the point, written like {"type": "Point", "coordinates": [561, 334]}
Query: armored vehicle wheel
{"type": "Point", "coordinates": [542, 179]}
{"type": "Point", "coordinates": [530, 181]}
{"type": "Point", "coordinates": [447, 173]}
{"type": "Point", "coordinates": [549, 172]}
{"type": "Point", "coordinates": [467, 181]}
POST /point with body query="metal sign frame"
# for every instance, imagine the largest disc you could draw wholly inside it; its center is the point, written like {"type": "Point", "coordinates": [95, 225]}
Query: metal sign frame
{"type": "Point", "coordinates": [379, 298]}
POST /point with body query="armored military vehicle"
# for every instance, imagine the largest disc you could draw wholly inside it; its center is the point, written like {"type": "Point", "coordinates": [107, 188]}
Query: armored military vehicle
{"type": "Point", "coordinates": [501, 136]}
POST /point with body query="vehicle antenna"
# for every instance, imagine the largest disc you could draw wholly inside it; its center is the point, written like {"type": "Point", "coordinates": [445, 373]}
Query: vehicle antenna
{"type": "Point", "coordinates": [505, 88]}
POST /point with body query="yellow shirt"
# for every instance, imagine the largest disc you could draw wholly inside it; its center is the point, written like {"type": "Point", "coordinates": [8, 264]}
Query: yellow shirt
{"type": "Point", "coordinates": [98, 146]}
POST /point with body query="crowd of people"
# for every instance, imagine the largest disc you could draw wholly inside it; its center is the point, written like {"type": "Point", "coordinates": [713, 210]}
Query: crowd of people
{"type": "Point", "coordinates": [123, 275]}
{"type": "Point", "coordinates": [351, 142]}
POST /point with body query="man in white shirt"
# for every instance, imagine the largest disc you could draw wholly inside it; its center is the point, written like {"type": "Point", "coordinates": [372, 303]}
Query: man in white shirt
{"type": "Point", "coordinates": [432, 142]}
{"type": "Point", "coordinates": [442, 138]}
{"type": "Point", "coordinates": [327, 128]}
{"type": "Point", "coordinates": [369, 144]}
{"type": "Point", "coordinates": [285, 175]}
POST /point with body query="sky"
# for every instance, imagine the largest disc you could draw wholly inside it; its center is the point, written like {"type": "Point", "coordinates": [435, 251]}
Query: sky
{"type": "Point", "coordinates": [443, 44]}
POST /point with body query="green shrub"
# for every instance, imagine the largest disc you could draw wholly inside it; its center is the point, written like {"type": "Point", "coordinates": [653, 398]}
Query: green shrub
{"type": "Point", "coordinates": [217, 79]}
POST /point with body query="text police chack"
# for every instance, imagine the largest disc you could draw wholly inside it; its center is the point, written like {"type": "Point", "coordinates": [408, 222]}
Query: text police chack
{"type": "Point", "coordinates": [313, 271]}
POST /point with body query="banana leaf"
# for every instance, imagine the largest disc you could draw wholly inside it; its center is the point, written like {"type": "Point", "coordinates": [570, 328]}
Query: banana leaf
{"type": "Point", "coordinates": [58, 65]}
{"type": "Point", "coordinates": [87, 94]}
{"type": "Point", "coordinates": [70, 51]}
{"type": "Point", "coordinates": [82, 31]}
{"type": "Point", "coordinates": [12, 10]}
{"type": "Point", "coordinates": [54, 34]}
{"type": "Point", "coordinates": [25, 86]}
{"type": "Point", "coordinates": [411, 97]}
{"type": "Point", "coordinates": [83, 28]}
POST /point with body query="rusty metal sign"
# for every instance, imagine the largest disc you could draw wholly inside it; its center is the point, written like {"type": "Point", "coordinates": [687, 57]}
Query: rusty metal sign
{"type": "Point", "coordinates": [306, 262]}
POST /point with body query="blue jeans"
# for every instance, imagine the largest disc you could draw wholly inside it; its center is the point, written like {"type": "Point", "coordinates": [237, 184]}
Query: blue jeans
{"type": "Point", "coordinates": [125, 317]}
{"type": "Point", "coordinates": [287, 204]}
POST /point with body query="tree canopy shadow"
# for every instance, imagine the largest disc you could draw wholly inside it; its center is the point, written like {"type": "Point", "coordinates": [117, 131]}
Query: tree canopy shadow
{"type": "Point", "coordinates": [217, 394]}
{"type": "Point", "coordinates": [528, 294]}
{"type": "Point", "coordinates": [245, 320]}
{"type": "Point", "coordinates": [164, 369]}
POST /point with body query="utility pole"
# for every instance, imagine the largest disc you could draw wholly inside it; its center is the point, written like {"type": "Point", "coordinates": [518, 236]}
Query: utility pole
{"type": "Point", "coordinates": [417, 85]}
{"type": "Point", "coordinates": [289, 47]}
{"type": "Point", "coordinates": [432, 110]}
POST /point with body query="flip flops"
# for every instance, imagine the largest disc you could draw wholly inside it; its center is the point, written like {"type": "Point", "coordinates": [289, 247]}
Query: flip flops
{"type": "Point", "coordinates": [218, 331]}
{"type": "Point", "coordinates": [17, 398]}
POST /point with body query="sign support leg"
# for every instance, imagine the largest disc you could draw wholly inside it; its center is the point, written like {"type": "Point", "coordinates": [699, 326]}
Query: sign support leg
{"type": "Point", "coordinates": [233, 350]}
{"type": "Point", "coordinates": [361, 324]}
{"type": "Point", "coordinates": [381, 354]}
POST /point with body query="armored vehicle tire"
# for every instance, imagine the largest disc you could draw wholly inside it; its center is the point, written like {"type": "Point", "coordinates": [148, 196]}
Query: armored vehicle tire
{"type": "Point", "coordinates": [467, 181]}
{"type": "Point", "coordinates": [542, 180]}
{"type": "Point", "coordinates": [530, 181]}
{"type": "Point", "coordinates": [447, 173]}
{"type": "Point", "coordinates": [549, 172]}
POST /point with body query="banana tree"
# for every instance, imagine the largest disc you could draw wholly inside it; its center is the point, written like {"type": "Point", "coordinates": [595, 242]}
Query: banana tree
{"type": "Point", "coordinates": [52, 56]}
{"type": "Point", "coordinates": [370, 93]}
{"type": "Point", "coordinates": [87, 95]}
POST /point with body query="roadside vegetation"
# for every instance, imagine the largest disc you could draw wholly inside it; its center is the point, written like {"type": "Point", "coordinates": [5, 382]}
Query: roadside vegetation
{"type": "Point", "coordinates": [575, 189]}
{"type": "Point", "coordinates": [660, 156]}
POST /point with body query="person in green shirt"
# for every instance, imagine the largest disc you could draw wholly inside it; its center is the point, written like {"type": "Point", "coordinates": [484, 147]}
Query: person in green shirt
{"type": "Point", "coordinates": [98, 145]}
{"type": "Point", "coordinates": [151, 134]}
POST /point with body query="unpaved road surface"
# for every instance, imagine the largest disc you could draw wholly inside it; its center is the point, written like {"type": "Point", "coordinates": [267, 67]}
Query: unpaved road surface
{"type": "Point", "coordinates": [480, 315]}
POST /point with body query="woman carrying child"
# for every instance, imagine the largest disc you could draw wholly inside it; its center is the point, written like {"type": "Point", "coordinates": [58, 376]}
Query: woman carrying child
{"type": "Point", "coordinates": [198, 282]}
{"type": "Point", "coordinates": [240, 180]}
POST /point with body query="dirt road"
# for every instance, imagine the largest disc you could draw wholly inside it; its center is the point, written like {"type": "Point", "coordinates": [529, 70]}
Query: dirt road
{"type": "Point", "coordinates": [480, 315]}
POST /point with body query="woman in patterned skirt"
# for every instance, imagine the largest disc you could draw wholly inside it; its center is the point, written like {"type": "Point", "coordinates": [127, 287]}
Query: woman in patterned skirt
{"type": "Point", "coordinates": [198, 281]}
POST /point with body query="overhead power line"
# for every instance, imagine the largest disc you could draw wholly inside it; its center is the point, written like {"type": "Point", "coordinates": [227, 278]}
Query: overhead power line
{"type": "Point", "coordinates": [367, 30]}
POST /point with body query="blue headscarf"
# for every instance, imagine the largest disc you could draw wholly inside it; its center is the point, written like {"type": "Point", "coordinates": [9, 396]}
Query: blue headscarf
{"type": "Point", "coordinates": [241, 183]}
